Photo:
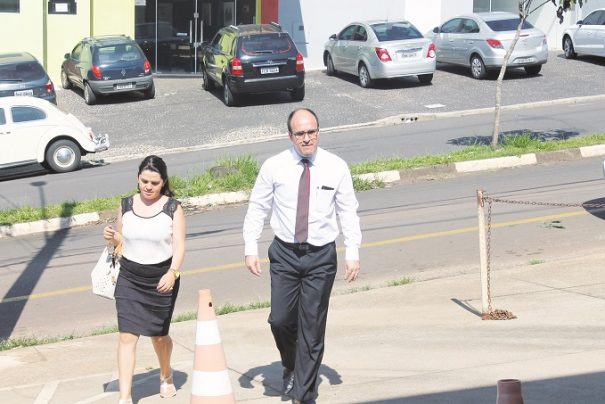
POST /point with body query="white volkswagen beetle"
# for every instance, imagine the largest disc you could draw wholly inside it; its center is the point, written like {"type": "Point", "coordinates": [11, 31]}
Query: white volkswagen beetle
{"type": "Point", "coordinates": [33, 130]}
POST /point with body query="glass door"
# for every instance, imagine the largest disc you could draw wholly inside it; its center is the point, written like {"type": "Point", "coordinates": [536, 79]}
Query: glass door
{"type": "Point", "coordinates": [169, 32]}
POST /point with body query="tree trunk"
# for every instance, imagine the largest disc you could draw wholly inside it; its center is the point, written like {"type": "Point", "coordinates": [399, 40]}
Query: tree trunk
{"type": "Point", "coordinates": [523, 12]}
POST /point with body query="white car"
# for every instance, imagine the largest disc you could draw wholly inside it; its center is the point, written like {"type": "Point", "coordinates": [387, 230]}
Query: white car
{"type": "Point", "coordinates": [587, 36]}
{"type": "Point", "coordinates": [33, 130]}
{"type": "Point", "coordinates": [380, 50]}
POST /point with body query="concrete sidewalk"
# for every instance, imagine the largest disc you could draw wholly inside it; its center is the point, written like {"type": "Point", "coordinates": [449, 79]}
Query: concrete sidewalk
{"type": "Point", "coordinates": [418, 343]}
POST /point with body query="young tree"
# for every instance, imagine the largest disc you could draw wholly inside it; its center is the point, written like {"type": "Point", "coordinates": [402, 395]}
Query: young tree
{"type": "Point", "coordinates": [524, 11]}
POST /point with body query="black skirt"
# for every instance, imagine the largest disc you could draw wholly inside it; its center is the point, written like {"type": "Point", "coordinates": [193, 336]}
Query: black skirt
{"type": "Point", "coordinates": [142, 310]}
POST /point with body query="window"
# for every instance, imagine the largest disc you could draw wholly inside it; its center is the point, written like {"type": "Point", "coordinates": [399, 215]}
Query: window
{"type": "Point", "coordinates": [507, 25]}
{"type": "Point", "coordinates": [25, 114]}
{"type": "Point", "coordinates": [395, 31]}
{"type": "Point", "coordinates": [75, 53]}
{"type": "Point", "coordinates": [496, 5]}
{"type": "Point", "coordinates": [2, 117]}
{"type": "Point", "coordinates": [226, 44]}
{"type": "Point", "coordinates": [451, 26]}
{"type": "Point", "coordinates": [22, 71]}
{"type": "Point", "coordinates": [592, 18]}
{"type": "Point", "coordinates": [266, 44]}
{"type": "Point", "coordinates": [361, 34]}
{"type": "Point", "coordinates": [469, 26]}
{"type": "Point", "coordinates": [9, 6]}
{"type": "Point", "coordinates": [347, 33]}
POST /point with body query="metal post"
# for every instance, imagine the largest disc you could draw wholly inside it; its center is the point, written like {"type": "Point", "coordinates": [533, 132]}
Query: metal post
{"type": "Point", "coordinates": [482, 252]}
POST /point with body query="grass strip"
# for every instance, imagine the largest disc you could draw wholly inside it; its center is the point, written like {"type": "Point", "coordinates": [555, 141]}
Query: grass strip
{"type": "Point", "coordinates": [239, 173]}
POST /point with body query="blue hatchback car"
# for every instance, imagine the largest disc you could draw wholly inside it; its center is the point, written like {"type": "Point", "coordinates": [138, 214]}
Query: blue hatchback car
{"type": "Point", "coordinates": [106, 65]}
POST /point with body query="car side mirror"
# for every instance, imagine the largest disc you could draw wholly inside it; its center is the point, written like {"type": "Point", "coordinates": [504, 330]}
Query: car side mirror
{"type": "Point", "coordinates": [580, 22]}
{"type": "Point", "coordinates": [333, 37]}
{"type": "Point", "coordinates": [66, 56]}
{"type": "Point", "coordinates": [436, 30]}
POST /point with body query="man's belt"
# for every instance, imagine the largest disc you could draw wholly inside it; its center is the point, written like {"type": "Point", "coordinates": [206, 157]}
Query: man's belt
{"type": "Point", "coordinates": [302, 247]}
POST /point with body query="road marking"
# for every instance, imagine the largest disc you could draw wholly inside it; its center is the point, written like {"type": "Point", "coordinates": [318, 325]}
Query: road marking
{"type": "Point", "coordinates": [47, 393]}
{"type": "Point", "coordinates": [380, 243]}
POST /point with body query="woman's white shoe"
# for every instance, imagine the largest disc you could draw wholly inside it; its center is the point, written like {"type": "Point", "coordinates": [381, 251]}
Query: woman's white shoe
{"type": "Point", "coordinates": [167, 388]}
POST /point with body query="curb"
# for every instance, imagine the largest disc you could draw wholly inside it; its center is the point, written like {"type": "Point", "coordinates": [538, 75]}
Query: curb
{"type": "Point", "coordinates": [40, 226]}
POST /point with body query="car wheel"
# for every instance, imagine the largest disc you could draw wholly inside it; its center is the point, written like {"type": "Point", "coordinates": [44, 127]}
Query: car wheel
{"type": "Point", "coordinates": [533, 70]}
{"type": "Point", "coordinates": [298, 94]}
{"type": "Point", "coordinates": [63, 156]}
{"type": "Point", "coordinates": [207, 84]}
{"type": "Point", "coordinates": [330, 70]}
{"type": "Point", "coordinates": [478, 68]}
{"type": "Point", "coordinates": [150, 92]}
{"type": "Point", "coordinates": [89, 96]}
{"type": "Point", "coordinates": [568, 48]}
{"type": "Point", "coordinates": [65, 83]}
{"type": "Point", "coordinates": [364, 77]}
{"type": "Point", "coordinates": [425, 78]}
{"type": "Point", "coordinates": [228, 96]}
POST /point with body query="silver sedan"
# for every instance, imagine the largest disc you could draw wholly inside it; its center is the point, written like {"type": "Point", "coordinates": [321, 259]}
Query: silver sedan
{"type": "Point", "coordinates": [380, 50]}
{"type": "Point", "coordinates": [481, 40]}
{"type": "Point", "coordinates": [587, 36]}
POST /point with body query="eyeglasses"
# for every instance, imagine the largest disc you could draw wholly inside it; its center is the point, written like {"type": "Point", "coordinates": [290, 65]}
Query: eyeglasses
{"type": "Point", "coordinates": [312, 133]}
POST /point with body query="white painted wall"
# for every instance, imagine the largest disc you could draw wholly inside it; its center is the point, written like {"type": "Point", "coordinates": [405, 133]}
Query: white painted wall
{"type": "Point", "coordinates": [311, 22]}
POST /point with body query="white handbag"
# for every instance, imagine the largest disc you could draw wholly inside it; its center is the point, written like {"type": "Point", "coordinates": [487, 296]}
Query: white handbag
{"type": "Point", "coordinates": [105, 274]}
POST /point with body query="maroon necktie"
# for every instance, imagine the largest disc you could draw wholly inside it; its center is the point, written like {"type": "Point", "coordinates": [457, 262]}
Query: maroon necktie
{"type": "Point", "coordinates": [301, 230]}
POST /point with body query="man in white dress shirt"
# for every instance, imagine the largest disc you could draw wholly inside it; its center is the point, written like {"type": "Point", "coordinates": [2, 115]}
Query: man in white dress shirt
{"type": "Point", "coordinates": [305, 188]}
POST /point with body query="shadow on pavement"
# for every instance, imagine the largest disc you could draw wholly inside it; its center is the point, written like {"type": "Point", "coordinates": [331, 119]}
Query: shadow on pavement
{"type": "Point", "coordinates": [272, 377]}
{"type": "Point", "coordinates": [584, 388]}
{"type": "Point", "coordinates": [17, 296]}
{"type": "Point", "coordinates": [148, 384]}
{"type": "Point", "coordinates": [596, 211]}
{"type": "Point", "coordinates": [555, 134]}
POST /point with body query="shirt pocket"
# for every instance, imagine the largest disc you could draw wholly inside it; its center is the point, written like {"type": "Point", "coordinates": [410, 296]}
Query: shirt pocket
{"type": "Point", "coordinates": [324, 199]}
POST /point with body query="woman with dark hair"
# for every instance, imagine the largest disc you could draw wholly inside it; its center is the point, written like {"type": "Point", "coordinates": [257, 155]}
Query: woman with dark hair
{"type": "Point", "coordinates": [151, 231]}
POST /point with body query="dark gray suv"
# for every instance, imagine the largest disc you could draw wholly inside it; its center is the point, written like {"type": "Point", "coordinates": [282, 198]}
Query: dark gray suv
{"type": "Point", "coordinates": [255, 58]}
{"type": "Point", "coordinates": [22, 74]}
{"type": "Point", "coordinates": [104, 65]}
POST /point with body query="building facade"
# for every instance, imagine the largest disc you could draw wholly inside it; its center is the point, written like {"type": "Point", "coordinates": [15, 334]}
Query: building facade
{"type": "Point", "coordinates": [172, 31]}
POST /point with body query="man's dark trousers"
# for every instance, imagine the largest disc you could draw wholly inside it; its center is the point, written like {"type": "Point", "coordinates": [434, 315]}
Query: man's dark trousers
{"type": "Point", "coordinates": [301, 282]}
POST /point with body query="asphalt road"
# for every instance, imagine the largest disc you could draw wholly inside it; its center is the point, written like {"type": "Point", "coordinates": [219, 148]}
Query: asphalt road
{"type": "Point", "coordinates": [406, 140]}
{"type": "Point", "coordinates": [183, 115]}
{"type": "Point", "coordinates": [421, 230]}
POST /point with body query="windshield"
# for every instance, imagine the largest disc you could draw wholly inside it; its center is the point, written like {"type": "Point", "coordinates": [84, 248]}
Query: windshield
{"type": "Point", "coordinates": [395, 31]}
{"type": "Point", "coordinates": [507, 25]}
{"type": "Point", "coordinates": [24, 71]}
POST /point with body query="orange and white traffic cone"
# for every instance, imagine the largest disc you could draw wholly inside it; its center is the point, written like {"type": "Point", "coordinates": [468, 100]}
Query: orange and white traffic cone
{"type": "Point", "coordinates": [210, 381]}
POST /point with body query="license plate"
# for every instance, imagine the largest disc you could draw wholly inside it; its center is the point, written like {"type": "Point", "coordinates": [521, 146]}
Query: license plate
{"type": "Point", "coordinates": [407, 55]}
{"type": "Point", "coordinates": [269, 70]}
{"type": "Point", "coordinates": [24, 92]}
{"type": "Point", "coordinates": [524, 60]}
{"type": "Point", "coordinates": [123, 86]}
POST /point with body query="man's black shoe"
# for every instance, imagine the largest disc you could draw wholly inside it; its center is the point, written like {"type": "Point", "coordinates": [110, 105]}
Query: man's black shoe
{"type": "Point", "coordinates": [288, 378]}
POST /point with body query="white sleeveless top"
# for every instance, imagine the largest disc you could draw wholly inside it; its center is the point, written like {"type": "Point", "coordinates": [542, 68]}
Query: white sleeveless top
{"type": "Point", "coordinates": [147, 240]}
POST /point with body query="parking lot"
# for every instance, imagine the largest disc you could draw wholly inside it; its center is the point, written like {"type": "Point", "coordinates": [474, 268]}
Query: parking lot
{"type": "Point", "coordinates": [183, 115]}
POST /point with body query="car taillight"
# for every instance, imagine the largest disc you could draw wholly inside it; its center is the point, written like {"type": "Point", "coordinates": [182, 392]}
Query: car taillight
{"type": "Point", "coordinates": [50, 88]}
{"type": "Point", "coordinates": [300, 64]}
{"type": "Point", "coordinates": [494, 43]}
{"type": "Point", "coordinates": [383, 54]}
{"type": "Point", "coordinates": [147, 66]}
{"type": "Point", "coordinates": [96, 71]}
{"type": "Point", "coordinates": [431, 51]}
{"type": "Point", "coordinates": [236, 67]}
